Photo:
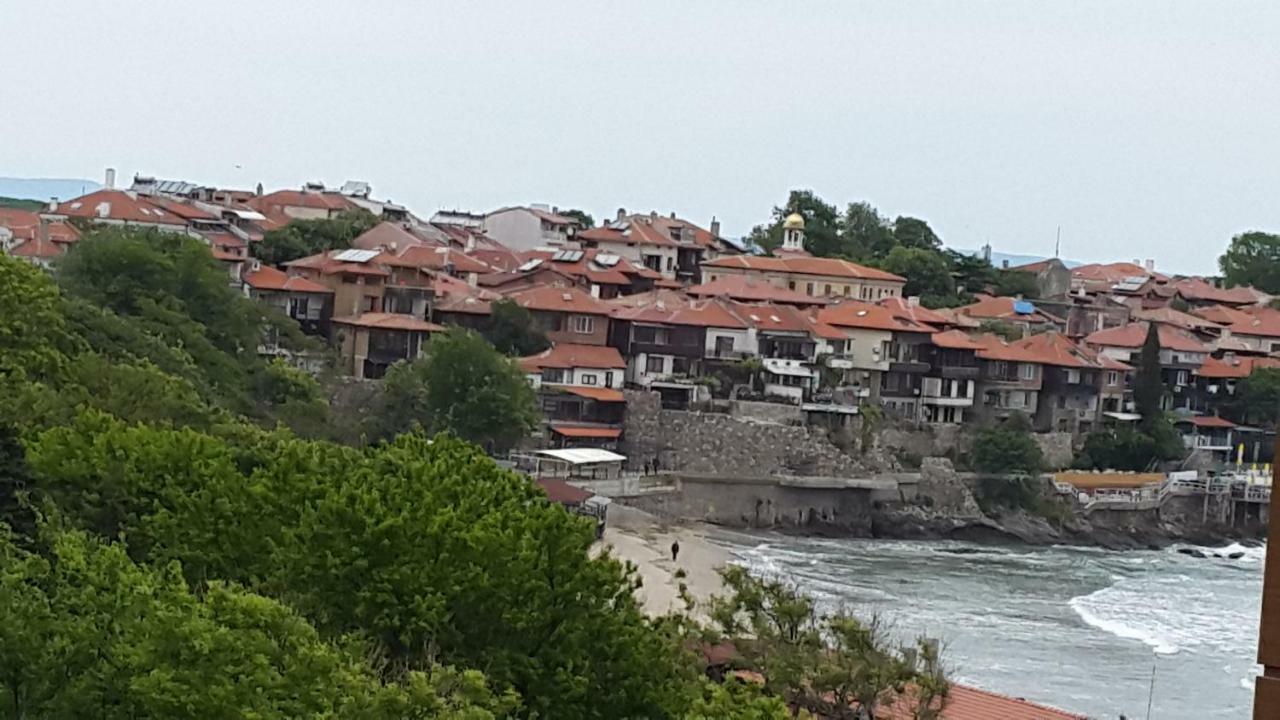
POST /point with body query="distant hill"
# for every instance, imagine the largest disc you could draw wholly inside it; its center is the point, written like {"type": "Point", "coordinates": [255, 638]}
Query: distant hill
{"type": "Point", "coordinates": [998, 258]}
{"type": "Point", "coordinates": [44, 188]}
{"type": "Point", "coordinates": [32, 205]}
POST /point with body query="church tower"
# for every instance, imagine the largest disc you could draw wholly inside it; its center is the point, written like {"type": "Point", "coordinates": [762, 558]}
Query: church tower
{"type": "Point", "coordinates": [793, 235]}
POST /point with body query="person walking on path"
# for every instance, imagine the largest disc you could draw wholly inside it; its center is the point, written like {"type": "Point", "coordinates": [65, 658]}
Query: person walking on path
{"type": "Point", "coordinates": [655, 464]}
{"type": "Point", "coordinates": [675, 550]}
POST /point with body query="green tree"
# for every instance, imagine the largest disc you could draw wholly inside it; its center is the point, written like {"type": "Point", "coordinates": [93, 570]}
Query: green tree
{"type": "Point", "coordinates": [1257, 397]}
{"type": "Point", "coordinates": [301, 238]}
{"type": "Point", "coordinates": [1123, 448]}
{"type": "Point", "coordinates": [915, 233]}
{"type": "Point", "coordinates": [865, 234]}
{"type": "Point", "coordinates": [1012, 283]}
{"type": "Point", "coordinates": [512, 331]}
{"type": "Point", "coordinates": [927, 274]}
{"type": "Point", "coordinates": [86, 632]}
{"type": "Point", "coordinates": [429, 549]}
{"type": "Point", "coordinates": [461, 385]}
{"type": "Point", "coordinates": [1007, 447]}
{"type": "Point", "coordinates": [972, 273]}
{"type": "Point", "coordinates": [736, 700]}
{"type": "Point", "coordinates": [31, 327]}
{"type": "Point", "coordinates": [1252, 258]}
{"type": "Point", "coordinates": [821, 225]}
{"type": "Point", "coordinates": [584, 218]}
{"type": "Point", "coordinates": [833, 665]}
{"type": "Point", "coordinates": [1148, 386]}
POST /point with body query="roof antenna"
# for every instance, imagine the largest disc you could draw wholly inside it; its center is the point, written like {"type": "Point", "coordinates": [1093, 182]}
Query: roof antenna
{"type": "Point", "coordinates": [1151, 694]}
{"type": "Point", "coordinates": [1057, 244]}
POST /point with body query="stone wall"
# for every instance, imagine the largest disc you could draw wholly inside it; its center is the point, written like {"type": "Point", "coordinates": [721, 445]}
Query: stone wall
{"type": "Point", "coordinates": [1057, 449]}
{"type": "Point", "coordinates": [766, 411]}
{"type": "Point", "coordinates": [762, 503]}
{"type": "Point", "coordinates": [948, 493]}
{"type": "Point", "coordinates": [717, 444]}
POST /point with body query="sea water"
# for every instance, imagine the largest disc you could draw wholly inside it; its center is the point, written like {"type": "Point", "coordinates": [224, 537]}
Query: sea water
{"type": "Point", "coordinates": [1078, 628]}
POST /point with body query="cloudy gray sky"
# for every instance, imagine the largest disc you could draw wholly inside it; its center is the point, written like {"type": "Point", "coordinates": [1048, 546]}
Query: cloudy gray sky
{"type": "Point", "coordinates": [1144, 129]}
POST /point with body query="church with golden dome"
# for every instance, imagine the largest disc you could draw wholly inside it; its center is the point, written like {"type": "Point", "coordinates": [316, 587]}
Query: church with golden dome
{"type": "Point", "coordinates": [793, 236]}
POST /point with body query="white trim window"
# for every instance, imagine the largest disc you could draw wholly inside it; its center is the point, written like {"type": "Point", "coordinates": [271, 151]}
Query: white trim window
{"type": "Point", "coordinates": [1028, 371]}
{"type": "Point", "coordinates": [586, 379]}
{"type": "Point", "coordinates": [582, 324]}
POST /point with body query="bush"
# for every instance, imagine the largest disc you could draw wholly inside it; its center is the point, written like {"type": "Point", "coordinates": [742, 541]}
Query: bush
{"type": "Point", "coordinates": [1007, 447]}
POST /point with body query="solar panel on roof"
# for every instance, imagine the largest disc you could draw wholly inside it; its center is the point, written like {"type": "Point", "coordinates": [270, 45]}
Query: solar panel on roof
{"type": "Point", "coordinates": [567, 256]}
{"type": "Point", "coordinates": [356, 256]}
{"type": "Point", "coordinates": [530, 265]}
{"type": "Point", "coordinates": [607, 259]}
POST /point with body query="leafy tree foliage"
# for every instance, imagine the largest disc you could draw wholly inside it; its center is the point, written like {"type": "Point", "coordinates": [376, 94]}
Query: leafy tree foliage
{"type": "Point", "coordinates": [736, 700]}
{"type": "Point", "coordinates": [865, 233]}
{"type": "Point", "coordinates": [821, 226]}
{"type": "Point", "coordinates": [1012, 283]}
{"type": "Point", "coordinates": [1007, 447]}
{"type": "Point", "coordinates": [832, 665]}
{"type": "Point", "coordinates": [1257, 397]}
{"type": "Point", "coordinates": [915, 233]}
{"type": "Point", "coordinates": [463, 386]}
{"type": "Point", "coordinates": [1253, 258]}
{"type": "Point", "coordinates": [85, 632]}
{"type": "Point", "coordinates": [301, 238]}
{"type": "Point", "coordinates": [512, 330]}
{"type": "Point", "coordinates": [583, 217]}
{"type": "Point", "coordinates": [1129, 448]}
{"type": "Point", "coordinates": [30, 321]}
{"type": "Point", "coordinates": [927, 275]}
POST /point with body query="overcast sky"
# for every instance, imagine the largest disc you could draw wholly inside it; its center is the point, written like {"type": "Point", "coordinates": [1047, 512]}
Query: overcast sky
{"type": "Point", "coordinates": [1143, 129]}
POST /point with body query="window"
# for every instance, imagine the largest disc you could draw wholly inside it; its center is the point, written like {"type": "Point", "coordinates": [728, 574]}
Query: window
{"type": "Point", "coordinates": [848, 291]}
{"type": "Point", "coordinates": [1062, 402]}
{"type": "Point", "coordinates": [582, 324]}
{"type": "Point", "coordinates": [1073, 376]}
{"type": "Point", "coordinates": [650, 335]}
{"type": "Point", "coordinates": [827, 291]}
{"type": "Point", "coordinates": [671, 263]}
{"type": "Point", "coordinates": [1028, 398]}
{"type": "Point", "coordinates": [724, 346]}
{"type": "Point", "coordinates": [808, 289]}
{"type": "Point", "coordinates": [679, 366]}
{"type": "Point", "coordinates": [1113, 378]}
{"type": "Point", "coordinates": [608, 379]}
{"type": "Point", "coordinates": [655, 364]}
{"type": "Point", "coordinates": [552, 375]}
{"type": "Point", "coordinates": [589, 379]}
{"type": "Point", "coordinates": [1028, 371]}
{"type": "Point", "coordinates": [791, 285]}
{"type": "Point", "coordinates": [298, 307]}
{"type": "Point", "coordinates": [370, 302]}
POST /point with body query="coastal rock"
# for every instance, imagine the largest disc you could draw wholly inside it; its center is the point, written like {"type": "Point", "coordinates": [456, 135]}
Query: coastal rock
{"type": "Point", "coordinates": [1235, 555]}
{"type": "Point", "coordinates": [1192, 552]}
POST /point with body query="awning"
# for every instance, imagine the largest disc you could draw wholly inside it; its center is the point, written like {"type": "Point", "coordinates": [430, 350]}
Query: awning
{"type": "Point", "coordinates": [792, 370]}
{"type": "Point", "coordinates": [598, 394]}
{"type": "Point", "coordinates": [586, 431]}
{"type": "Point", "coordinates": [582, 456]}
{"type": "Point", "coordinates": [1127, 417]}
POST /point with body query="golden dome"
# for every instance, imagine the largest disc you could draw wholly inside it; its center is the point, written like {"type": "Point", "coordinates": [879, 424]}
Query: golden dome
{"type": "Point", "coordinates": [794, 221]}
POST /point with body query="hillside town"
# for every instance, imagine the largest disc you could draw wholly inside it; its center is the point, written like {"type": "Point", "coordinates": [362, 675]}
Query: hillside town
{"type": "Point", "coordinates": [652, 301]}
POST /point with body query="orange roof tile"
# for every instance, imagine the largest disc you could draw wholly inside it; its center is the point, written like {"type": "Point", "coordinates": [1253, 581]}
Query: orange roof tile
{"type": "Point", "coordinates": [1211, 421]}
{"type": "Point", "coordinates": [906, 309]}
{"type": "Point", "coordinates": [1197, 289]}
{"type": "Point", "coordinates": [1262, 322]}
{"type": "Point", "coordinates": [568, 355]}
{"type": "Point", "coordinates": [326, 264]}
{"type": "Point", "coordinates": [829, 267]}
{"type": "Point", "coordinates": [25, 225]}
{"type": "Point", "coordinates": [467, 304]}
{"type": "Point", "coordinates": [585, 431]}
{"type": "Point", "coordinates": [1003, 308]}
{"type": "Point", "coordinates": [1169, 316]}
{"type": "Point", "coordinates": [954, 340]}
{"type": "Point", "coordinates": [1112, 273]}
{"type": "Point", "coordinates": [1133, 335]}
{"type": "Point", "coordinates": [425, 257]}
{"type": "Point", "coordinates": [389, 321]}
{"type": "Point", "coordinates": [748, 289]}
{"type": "Point", "coordinates": [37, 248]}
{"type": "Point", "coordinates": [559, 299]}
{"type": "Point", "coordinates": [1052, 348]}
{"type": "Point", "coordinates": [969, 703]}
{"type": "Point", "coordinates": [120, 206]}
{"type": "Point", "coordinates": [269, 278]}
{"type": "Point", "coordinates": [301, 198]}
{"type": "Point", "coordinates": [1221, 314]}
{"type": "Point", "coordinates": [857, 314]}
{"type": "Point", "coordinates": [1235, 367]}
{"type": "Point", "coordinates": [995, 348]}
{"type": "Point", "coordinates": [599, 394]}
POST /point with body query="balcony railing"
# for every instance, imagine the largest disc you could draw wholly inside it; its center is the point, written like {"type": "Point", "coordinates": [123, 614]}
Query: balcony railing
{"type": "Point", "coordinates": [962, 372]}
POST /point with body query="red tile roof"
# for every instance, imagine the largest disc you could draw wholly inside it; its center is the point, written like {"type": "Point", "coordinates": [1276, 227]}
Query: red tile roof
{"type": "Point", "coordinates": [828, 267]}
{"type": "Point", "coordinates": [269, 278]}
{"type": "Point", "coordinates": [301, 198]}
{"type": "Point", "coordinates": [1002, 308]}
{"type": "Point", "coordinates": [389, 321]}
{"type": "Point", "coordinates": [326, 264]}
{"type": "Point", "coordinates": [1112, 273]}
{"type": "Point", "coordinates": [913, 311]}
{"type": "Point", "coordinates": [599, 394]}
{"type": "Point", "coordinates": [466, 304]}
{"type": "Point", "coordinates": [653, 230]}
{"type": "Point", "coordinates": [559, 491]}
{"type": "Point", "coordinates": [1235, 367]}
{"type": "Point", "coordinates": [568, 355]}
{"type": "Point", "coordinates": [1262, 322]}
{"type": "Point", "coordinates": [748, 289]}
{"type": "Point", "coordinates": [1052, 348]}
{"type": "Point", "coordinates": [1169, 316]}
{"type": "Point", "coordinates": [1211, 421]}
{"type": "Point", "coordinates": [1221, 314]}
{"type": "Point", "coordinates": [390, 236]}
{"type": "Point", "coordinates": [866, 316]}
{"type": "Point", "coordinates": [674, 309]}
{"type": "Point", "coordinates": [119, 206]}
{"type": "Point", "coordinates": [1133, 335]}
{"type": "Point", "coordinates": [559, 299]}
{"type": "Point", "coordinates": [25, 225]}
{"type": "Point", "coordinates": [37, 248]}
{"type": "Point", "coordinates": [425, 257]}
{"type": "Point", "coordinates": [954, 340]}
{"type": "Point", "coordinates": [995, 348]}
{"type": "Point", "coordinates": [585, 431]}
{"type": "Point", "coordinates": [969, 703]}
{"type": "Point", "coordinates": [1197, 289]}
{"type": "Point", "coordinates": [619, 272]}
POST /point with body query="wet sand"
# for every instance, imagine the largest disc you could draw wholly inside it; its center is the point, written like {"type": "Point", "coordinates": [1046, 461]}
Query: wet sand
{"type": "Point", "coordinates": [646, 542]}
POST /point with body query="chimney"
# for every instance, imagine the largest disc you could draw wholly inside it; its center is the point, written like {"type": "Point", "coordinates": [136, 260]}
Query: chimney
{"type": "Point", "coordinates": [473, 279]}
{"type": "Point", "coordinates": [103, 210]}
{"type": "Point", "coordinates": [53, 205]}
{"type": "Point", "coordinates": [913, 301]}
{"type": "Point", "coordinates": [715, 227]}
{"type": "Point", "coordinates": [258, 190]}
{"type": "Point", "coordinates": [653, 214]}
{"type": "Point", "coordinates": [110, 179]}
{"type": "Point", "coordinates": [673, 214]}
{"type": "Point", "coordinates": [471, 243]}
{"type": "Point", "coordinates": [622, 214]}
{"type": "Point", "coordinates": [43, 237]}
{"type": "Point", "coordinates": [1150, 265]}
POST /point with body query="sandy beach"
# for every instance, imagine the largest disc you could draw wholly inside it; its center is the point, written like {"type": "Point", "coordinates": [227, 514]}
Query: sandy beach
{"type": "Point", "coordinates": [645, 541]}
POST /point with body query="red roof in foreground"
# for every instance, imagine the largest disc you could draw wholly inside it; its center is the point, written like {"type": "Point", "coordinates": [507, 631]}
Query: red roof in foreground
{"type": "Point", "coordinates": [1053, 348]}
{"type": "Point", "coordinates": [559, 299]}
{"type": "Point", "coordinates": [954, 340]}
{"type": "Point", "coordinates": [866, 316]}
{"type": "Point", "coordinates": [269, 278]}
{"type": "Point", "coordinates": [1211, 421]}
{"type": "Point", "coordinates": [1134, 335]}
{"type": "Point", "coordinates": [559, 491]}
{"type": "Point", "coordinates": [568, 355]}
{"type": "Point", "coordinates": [390, 321]}
{"type": "Point", "coordinates": [586, 431]}
{"type": "Point", "coordinates": [970, 703]}
{"type": "Point", "coordinates": [599, 394]}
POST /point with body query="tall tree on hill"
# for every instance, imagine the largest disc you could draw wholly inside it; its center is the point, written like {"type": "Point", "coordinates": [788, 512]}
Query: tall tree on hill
{"type": "Point", "coordinates": [865, 233]}
{"type": "Point", "coordinates": [927, 272]}
{"type": "Point", "coordinates": [582, 216]}
{"type": "Point", "coordinates": [1253, 258]}
{"type": "Point", "coordinates": [512, 330]}
{"type": "Point", "coordinates": [301, 238]}
{"type": "Point", "coordinates": [915, 233]}
{"type": "Point", "coordinates": [1148, 387]}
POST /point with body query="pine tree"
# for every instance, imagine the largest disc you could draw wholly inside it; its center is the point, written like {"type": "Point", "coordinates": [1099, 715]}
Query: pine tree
{"type": "Point", "coordinates": [1148, 387]}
